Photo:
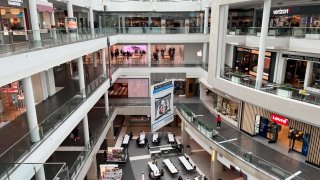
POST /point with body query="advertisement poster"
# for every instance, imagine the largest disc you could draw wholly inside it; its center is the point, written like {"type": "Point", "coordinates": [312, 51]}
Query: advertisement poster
{"type": "Point", "coordinates": [71, 24]}
{"type": "Point", "coordinates": [161, 104]}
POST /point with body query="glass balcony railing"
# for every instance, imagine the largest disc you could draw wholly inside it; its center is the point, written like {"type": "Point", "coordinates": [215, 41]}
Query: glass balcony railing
{"type": "Point", "coordinates": [283, 90]}
{"type": "Point", "coordinates": [82, 158]}
{"type": "Point", "coordinates": [19, 41]}
{"type": "Point", "coordinates": [231, 147]}
{"type": "Point", "coordinates": [298, 32]}
{"type": "Point", "coordinates": [52, 171]}
{"type": "Point", "coordinates": [36, 136]}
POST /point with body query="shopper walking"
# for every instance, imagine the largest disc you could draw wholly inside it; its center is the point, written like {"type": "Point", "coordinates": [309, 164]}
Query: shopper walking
{"type": "Point", "coordinates": [218, 119]}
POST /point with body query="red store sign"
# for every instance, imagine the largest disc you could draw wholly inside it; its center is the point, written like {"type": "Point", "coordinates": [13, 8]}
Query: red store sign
{"type": "Point", "coordinates": [279, 119]}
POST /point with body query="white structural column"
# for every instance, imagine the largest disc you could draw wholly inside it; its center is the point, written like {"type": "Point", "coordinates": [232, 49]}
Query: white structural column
{"type": "Point", "coordinates": [205, 54]}
{"type": "Point", "coordinates": [206, 20]}
{"type": "Point", "coordinates": [69, 9]}
{"type": "Point", "coordinates": [53, 26]}
{"type": "Point", "coordinates": [91, 20]}
{"type": "Point", "coordinates": [185, 137]}
{"type": "Point", "coordinates": [106, 102]}
{"type": "Point", "coordinates": [34, 20]}
{"type": "Point", "coordinates": [82, 89]}
{"type": "Point", "coordinates": [103, 61]}
{"type": "Point", "coordinates": [110, 136]}
{"type": "Point", "coordinates": [40, 175]}
{"type": "Point", "coordinates": [92, 172]}
{"type": "Point", "coordinates": [31, 109]}
{"type": "Point", "coordinates": [216, 166]}
{"type": "Point", "coordinates": [44, 85]}
{"type": "Point", "coordinates": [149, 54]}
{"type": "Point", "coordinates": [223, 18]}
{"type": "Point", "coordinates": [219, 19]}
{"type": "Point", "coordinates": [94, 57]}
{"type": "Point", "coordinates": [263, 42]}
{"type": "Point", "coordinates": [81, 76]}
{"type": "Point", "coordinates": [51, 85]}
{"type": "Point", "coordinates": [307, 78]}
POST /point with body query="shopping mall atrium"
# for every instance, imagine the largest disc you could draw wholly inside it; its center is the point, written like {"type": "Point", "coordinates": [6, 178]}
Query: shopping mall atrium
{"type": "Point", "coordinates": [159, 89]}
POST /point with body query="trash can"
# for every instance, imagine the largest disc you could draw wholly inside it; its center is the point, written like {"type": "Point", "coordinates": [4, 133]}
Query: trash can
{"type": "Point", "coordinates": [188, 150]}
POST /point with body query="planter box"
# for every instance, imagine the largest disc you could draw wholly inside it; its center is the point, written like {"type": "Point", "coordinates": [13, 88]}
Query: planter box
{"type": "Point", "coordinates": [313, 89]}
{"type": "Point", "coordinates": [208, 133]}
{"type": "Point", "coordinates": [284, 93]}
{"type": "Point", "coordinates": [235, 79]}
{"type": "Point", "coordinates": [199, 127]}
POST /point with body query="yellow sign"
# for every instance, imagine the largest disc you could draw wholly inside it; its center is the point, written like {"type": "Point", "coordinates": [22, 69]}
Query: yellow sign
{"type": "Point", "coordinates": [213, 155]}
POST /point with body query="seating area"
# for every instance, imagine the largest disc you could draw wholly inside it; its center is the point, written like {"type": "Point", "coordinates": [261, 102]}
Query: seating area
{"type": "Point", "coordinates": [186, 163]}
{"type": "Point", "coordinates": [142, 140]}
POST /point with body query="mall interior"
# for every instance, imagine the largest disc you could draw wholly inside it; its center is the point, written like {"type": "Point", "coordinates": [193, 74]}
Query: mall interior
{"type": "Point", "coordinates": [159, 89]}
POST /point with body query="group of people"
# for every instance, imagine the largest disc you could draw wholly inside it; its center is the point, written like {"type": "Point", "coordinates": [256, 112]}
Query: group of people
{"type": "Point", "coordinates": [127, 54]}
{"type": "Point", "coordinates": [171, 53]}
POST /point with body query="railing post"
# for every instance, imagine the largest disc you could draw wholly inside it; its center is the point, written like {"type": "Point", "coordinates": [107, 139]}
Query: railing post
{"type": "Point", "coordinates": [11, 40]}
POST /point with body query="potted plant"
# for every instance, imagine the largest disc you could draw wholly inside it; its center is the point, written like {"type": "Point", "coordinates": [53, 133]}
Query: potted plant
{"type": "Point", "coordinates": [236, 76]}
{"type": "Point", "coordinates": [285, 90]}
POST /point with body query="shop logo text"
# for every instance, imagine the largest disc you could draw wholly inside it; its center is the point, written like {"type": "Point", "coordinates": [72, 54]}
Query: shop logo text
{"type": "Point", "coordinates": [281, 11]}
{"type": "Point", "coordinates": [15, 2]}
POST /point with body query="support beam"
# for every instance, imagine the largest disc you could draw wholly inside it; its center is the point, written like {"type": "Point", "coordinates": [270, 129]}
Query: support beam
{"type": "Point", "coordinates": [263, 42]}
{"type": "Point", "coordinates": [91, 20]}
{"type": "Point", "coordinates": [34, 20]}
{"type": "Point", "coordinates": [106, 102]}
{"type": "Point", "coordinates": [81, 76]}
{"type": "Point", "coordinates": [206, 20]}
{"type": "Point", "coordinates": [86, 131]}
{"type": "Point", "coordinates": [103, 61]}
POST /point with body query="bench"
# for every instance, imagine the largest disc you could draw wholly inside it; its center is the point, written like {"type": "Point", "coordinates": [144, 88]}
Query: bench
{"type": "Point", "coordinates": [154, 153]}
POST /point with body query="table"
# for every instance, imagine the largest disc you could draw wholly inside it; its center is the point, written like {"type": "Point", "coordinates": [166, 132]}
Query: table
{"type": "Point", "coordinates": [154, 169]}
{"type": "Point", "coordinates": [155, 137]}
{"type": "Point", "coordinates": [186, 163]}
{"type": "Point", "coordinates": [126, 139]}
{"type": "Point", "coordinates": [170, 166]}
{"type": "Point", "coordinates": [170, 138]}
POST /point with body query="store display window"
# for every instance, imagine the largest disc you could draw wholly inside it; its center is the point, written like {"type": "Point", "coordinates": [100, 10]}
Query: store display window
{"type": "Point", "coordinates": [179, 88]}
{"type": "Point", "coordinates": [295, 73]}
{"type": "Point", "coordinates": [246, 61]}
{"type": "Point", "coordinates": [299, 141]}
{"type": "Point", "coordinates": [315, 76]}
{"type": "Point", "coordinates": [226, 107]}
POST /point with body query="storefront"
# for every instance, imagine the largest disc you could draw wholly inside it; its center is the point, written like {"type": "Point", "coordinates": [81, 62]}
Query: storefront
{"type": "Point", "coordinates": [240, 18]}
{"type": "Point", "coordinates": [14, 16]}
{"type": "Point", "coordinates": [246, 61]}
{"type": "Point", "coordinates": [302, 72]}
{"type": "Point", "coordinates": [229, 108]}
{"type": "Point", "coordinates": [296, 16]}
{"type": "Point", "coordinates": [124, 88]}
{"type": "Point", "coordinates": [286, 133]}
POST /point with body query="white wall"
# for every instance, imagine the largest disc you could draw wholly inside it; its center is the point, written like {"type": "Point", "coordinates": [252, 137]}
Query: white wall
{"type": "Point", "coordinates": [304, 45]}
{"type": "Point", "coordinates": [190, 53]}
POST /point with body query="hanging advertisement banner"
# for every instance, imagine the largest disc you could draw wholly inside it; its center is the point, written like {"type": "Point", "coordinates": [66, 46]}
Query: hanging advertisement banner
{"type": "Point", "coordinates": [161, 104]}
{"type": "Point", "coordinates": [71, 24]}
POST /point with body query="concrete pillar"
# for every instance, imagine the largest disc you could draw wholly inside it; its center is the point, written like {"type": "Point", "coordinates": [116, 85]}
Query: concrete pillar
{"type": "Point", "coordinates": [92, 172]}
{"type": "Point", "coordinates": [110, 137]}
{"type": "Point", "coordinates": [201, 22]}
{"type": "Point", "coordinates": [185, 137]}
{"type": "Point", "coordinates": [91, 20]}
{"type": "Point", "coordinates": [40, 175]}
{"type": "Point", "coordinates": [69, 9]}
{"type": "Point", "coordinates": [81, 77]}
{"type": "Point", "coordinates": [307, 78]}
{"type": "Point", "coordinates": [206, 20]}
{"type": "Point", "coordinates": [31, 109]}
{"type": "Point", "coordinates": [187, 26]}
{"type": "Point", "coordinates": [263, 42]}
{"type": "Point", "coordinates": [94, 57]}
{"type": "Point", "coordinates": [106, 103]}
{"type": "Point", "coordinates": [53, 26]}
{"type": "Point", "coordinates": [103, 61]}
{"type": "Point", "coordinates": [163, 26]}
{"type": "Point", "coordinates": [205, 54]}
{"type": "Point", "coordinates": [127, 121]}
{"type": "Point", "coordinates": [86, 130]}
{"type": "Point", "coordinates": [34, 20]}
{"type": "Point", "coordinates": [216, 169]}
{"type": "Point", "coordinates": [51, 85]}
{"type": "Point", "coordinates": [44, 85]}
{"type": "Point", "coordinates": [149, 55]}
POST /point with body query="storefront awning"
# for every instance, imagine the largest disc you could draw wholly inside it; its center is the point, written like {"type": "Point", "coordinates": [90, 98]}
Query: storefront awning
{"type": "Point", "coordinates": [44, 8]}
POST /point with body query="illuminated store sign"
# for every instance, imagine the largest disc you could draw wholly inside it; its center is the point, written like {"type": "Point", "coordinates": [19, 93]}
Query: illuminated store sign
{"type": "Point", "coordinates": [279, 119]}
{"type": "Point", "coordinates": [15, 2]}
{"type": "Point", "coordinates": [281, 11]}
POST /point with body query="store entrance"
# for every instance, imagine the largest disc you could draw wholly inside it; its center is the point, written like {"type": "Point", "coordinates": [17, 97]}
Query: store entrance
{"type": "Point", "coordinates": [295, 73]}
{"type": "Point", "coordinates": [175, 26]}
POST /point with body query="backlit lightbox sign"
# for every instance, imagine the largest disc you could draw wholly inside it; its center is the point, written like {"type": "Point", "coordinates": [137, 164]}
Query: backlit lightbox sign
{"type": "Point", "coordinates": [281, 11]}
{"type": "Point", "coordinates": [279, 119]}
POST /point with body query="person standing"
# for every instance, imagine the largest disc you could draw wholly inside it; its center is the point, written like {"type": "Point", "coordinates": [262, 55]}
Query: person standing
{"type": "Point", "coordinates": [218, 119]}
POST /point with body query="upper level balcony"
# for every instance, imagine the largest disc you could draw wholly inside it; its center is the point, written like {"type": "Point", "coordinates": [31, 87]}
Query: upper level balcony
{"type": "Point", "coordinates": [300, 39]}
{"type": "Point", "coordinates": [22, 41]}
